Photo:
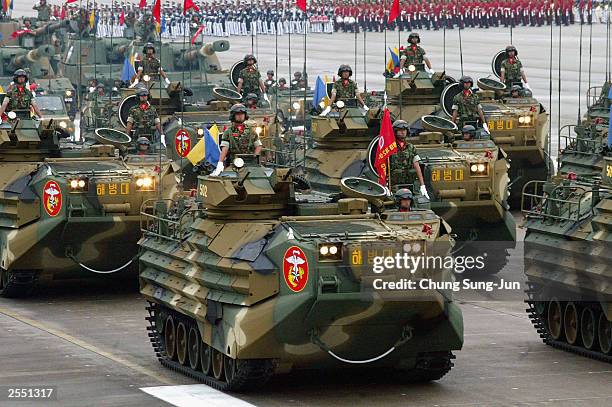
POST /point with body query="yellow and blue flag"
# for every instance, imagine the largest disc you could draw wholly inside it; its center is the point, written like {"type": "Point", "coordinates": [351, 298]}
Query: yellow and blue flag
{"type": "Point", "coordinates": [320, 91]}
{"type": "Point", "coordinates": [128, 71]}
{"type": "Point", "coordinates": [394, 62]}
{"type": "Point", "coordinates": [207, 148]}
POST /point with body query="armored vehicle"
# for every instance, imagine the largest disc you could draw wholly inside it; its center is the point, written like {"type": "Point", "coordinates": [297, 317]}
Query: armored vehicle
{"type": "Point", "coordinates": [567, 262]}
{"type": "Point", "coordinates": [255, 278]}
{"type": "Point", "coordinates": [69, 209]}
{"type": "Point", "coordinates": [53, 107]}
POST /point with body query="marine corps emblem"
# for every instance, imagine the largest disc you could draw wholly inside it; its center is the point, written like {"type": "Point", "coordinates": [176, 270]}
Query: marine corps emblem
{"type": "Point", "coordinates": [182, 143]}
{"type": "Point", "coordinates": [295, 269]}
{"type": "Point", "coordinates": [52, 198]}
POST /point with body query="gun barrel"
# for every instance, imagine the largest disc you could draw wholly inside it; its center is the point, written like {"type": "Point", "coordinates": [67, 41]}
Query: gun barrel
{"type": "Point", "coordinates": [51, 27]}
{"type": "Point", "coordinates": [32, 56]}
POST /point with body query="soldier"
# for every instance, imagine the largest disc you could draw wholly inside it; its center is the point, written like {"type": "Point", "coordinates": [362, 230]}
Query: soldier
{"type": "Point", "coordinates": [150, 66]}
{"type": "Point", "coordinates": [249, 79]}
{"type": "Point", "coordinates": [282, 84]}
{"type": "Point", "coordinates": [44, 10]}
{"type": "Point", "coordinates": [344, 88]}
{"type": "Point", "coordinates": [414, 54]}
{"type": "Point", "coordinates": [142, 145]}
{"type": "Point", "coordinates": [515, 91]}
{"type": "Point", "coordinates": [405, 160]}
{"type": "Point", "coordinates": [19, 98]}
{"type": "Point", "coordinates": [468, 131]}
{"type": "Point", "coordinates": [143, 117]}
{"type": "Point", "coordinates": [238, 138]}
{"type": "Point", "coordinates": [270, 82]}
{"type": "Point", "coordinates": [466, 105]}
{"type": "Point", "coordinates": [403, 199]}
{"type": "Point", "coordinates": [251, 101]}
{"type": "Point", "coordinates": [295, 83]}
{"type": "Point", "coordinates": [512, 69]}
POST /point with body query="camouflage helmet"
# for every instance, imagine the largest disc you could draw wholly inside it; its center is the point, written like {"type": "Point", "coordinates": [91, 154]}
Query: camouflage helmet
{"type": "Point", "coordinates": [147, 46]}
{"type": "Point", "coordinates": [414, 35]}
{"type": "Point", "coordinates": [297, 74]}
{"type": "Point", "coordinates": [468, 128]}
{"type": "Point", "coordinates": [142, 92]}
{"type": "Point", "coordinates": [100, 85]}
{"type": "Point", "coordinates": [270, 72]}
{"type": "Point", "coordinates": [238, 108]}
{"type": "Point", "coordinates": [403, 193]}
{"type": "Point", "coordinates": [143, 140]}
{"type": "Point", "coordinates": [511, 48]}
{"type": "Point", "coordinates": [465, 79]}
{"type": "Point", "coordinates": [249, 56]}
{"type": "Point", "coordinates": [516, 88]}
{"type": "Point", "coordinates": [401, 124]}
{"type": "Point", "coordinates": [345, 68]}
{"type": "Point", "coordinates": [18, 73]}
{"type": "Point", "coordinates": [252, 96]}
{"type": "Point", "coordinates": [282, 80]}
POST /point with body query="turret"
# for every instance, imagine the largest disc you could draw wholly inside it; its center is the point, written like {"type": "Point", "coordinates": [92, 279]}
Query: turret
{"type": "Point", "coordinates": [30, 57]}
{"type": "Point", "coordinates": [50, 28]}
{"type": "Point", "coordinates": [204, 58]}
{"type": "Point", "coordinates": [345, 128]}
{"type": "Point", "coordinates": [23, 139]}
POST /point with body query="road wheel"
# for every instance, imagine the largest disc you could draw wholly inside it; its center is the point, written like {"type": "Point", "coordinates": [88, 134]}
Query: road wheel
{"type": "Point", "coordinates": [571, 323]}
{"type": "Point", "coordinates": [194, 345]}
{"type": "Point", "coordinates": [588, 327]}
{"type": "Point", "coordinates": [605, 334]}
{"type": "Point", "coordinates": [217, 364]}
{"type": "Point", "coordinates": [170, 338]}
{"type": "Point", "coordinates": [555, 319]}
{"type": "Point", "coordinates": [181, 343]}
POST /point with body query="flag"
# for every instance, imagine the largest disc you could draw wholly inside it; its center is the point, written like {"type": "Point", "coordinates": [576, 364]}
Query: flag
{"type": "Point", "coordinates": [610, 121]}
{"type": "Point", "coordinates": [92, 19]}
{"type": "Point", "coordinates": [207, 148]}
{"type": "Point", "coordinates": [301, 4]}
{"type": "Point", "coordinates": [63, 13]}
{"type": "Point", "coordinates": [394, 62]}
{"type": "Point", "coordinates": [143, 4]}
{"type": "Point", "coordinates": [162, 27]}
{"type": "Point", "coordinates": [71, 1]}
{"type": "Point", "coordinates": [122, 18]}
{"type": "Point", "coordinates": [195, 36]}
{"type": "Point", "coordinates": [128, 70]}
{"type": "Point", "coordinates": [157, 11]}
{"type": "Point", "coordinates": [395, 11]}
{"type": "Point", "coordinates": [189, 4]}
{"type": "Point", "coordinates": [19, 33]}
{"type": "Point", "coordinates": [387, 146]}
{"type": "Point", "coordinates": [320, 91]}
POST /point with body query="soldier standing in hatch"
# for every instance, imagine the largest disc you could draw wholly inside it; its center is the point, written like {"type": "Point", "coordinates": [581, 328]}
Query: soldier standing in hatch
{"type": "Point", "coordinates": [512, 69]}
{"type": "Point", "coordinates": [150, 65]}
{"type": "Point", "coordinates": [405, 160]}
{"type": "Point", "coordinates": [19, 97]}
{"type": "Point", "coordinates": [143, 117]}
{"type": "Point", "coordinates": [44, 10]}
{"type": "Point", "coordinates": [238, 138]}
{"type": "Point", "coordinates": [344, 88]}
{"type": "Point", "coordinates": [414, 54]}
{"type": "Point", "coordinates": [249, 79]}
{"type": "Point", "coordinates": [466, 105]}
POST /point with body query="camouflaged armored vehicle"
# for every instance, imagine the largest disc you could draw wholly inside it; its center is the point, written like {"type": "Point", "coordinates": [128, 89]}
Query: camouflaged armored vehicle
{"type": "Point", "coordinates": [253, 278]}
{"type": "Point", "coordinates": [567, 262]}
{"type": "Point", "coordinates": [69, 209]}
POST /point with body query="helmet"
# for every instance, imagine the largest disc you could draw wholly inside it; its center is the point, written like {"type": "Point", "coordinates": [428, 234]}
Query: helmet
{"type": "Point", "coordinates": [100, 85]}
{"type": "Point", "coordinates": [142, 92]}
{"type": "Point", "coordinates": [414, 35]}
{"type": "Point", "coordinates": [252, 96]}
{"type": "Point", "coordinates": [270, 72]}
{"type": "Point", "coordinates": [511, 48]}
{"type": "Point", "coordinates": [401, 124]}
{"type": "Point", "coordinates": [516, 88]}
{"type": "Point", "coordinates": [143, 140]}
{"type": "Point", "coordinates": [297, 74]}
{"type": "Point", "coordinates": [403, 193]}
{"type": "Point", "coordinates": [282, 80]}
{"type": "Point", "coordinates": [238, 108]}
{"type": "Point", "coordinates": [466, 79]}
{"type": "Point", "coordinates": [345, 68]}
{"type": "Point", "coordinates": [468, 128]}
{"type": "Point", "coordinates": [147, 46]}
{"type": "Point", "coordinates": [18, 73]}
{"type": "Point", "coordinates": [249, 56]}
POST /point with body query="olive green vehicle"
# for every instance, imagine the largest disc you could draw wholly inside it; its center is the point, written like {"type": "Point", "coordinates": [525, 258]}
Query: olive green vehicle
{"type": "Point", "coordinates": [54, 107]}
{"type": "Point", "coordinates": [69, 209]}
{"type": "Point", "coordinates": [568, 239]}
{"type": "Point", "coordinates": [256, 279]}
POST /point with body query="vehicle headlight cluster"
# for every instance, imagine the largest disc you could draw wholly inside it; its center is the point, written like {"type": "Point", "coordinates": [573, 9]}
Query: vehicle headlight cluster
{"type": "Point", "coordinates": [68, 93]}
{"type": "Point", "coordinates": [296, 106]}
{"type": "Point", "coordinates": [258, 130]}
{"type": "Point", "coordinates": [525, 120]}
{"type": "Point", "coordinates": [145, 183]}
{"type": "Point", "coordinates": [414, 247]}
{"type": "Point", "coordinates": [200, 132]}
{"type": "Point", "coordinates": [330, 251]}
{"type": "Point", "coordinates": [411, 68]}
{"type": "Point", "coordinates": [146, 78]}
{"type": "Point", "coordinates": [479, 169]}
{"type": "Point", "coordinates": [78, 184]}
{"type": "Point", "coordinates": [63, 124]}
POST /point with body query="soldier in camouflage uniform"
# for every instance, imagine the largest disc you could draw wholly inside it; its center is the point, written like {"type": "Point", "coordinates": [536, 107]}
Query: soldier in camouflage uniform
{"type": "Point", "coordinates": [150, 66]}
{"type": "Point", "coordinates": [238, 138]}
{"type": "Point", "coordinates": [404, 164]}
{"type": "Point", "coordinates": [413, 54]}
{"type": "Point", "coordinates": [19, 98]}
{"type": "Point", "coordinates": [249, 79]}
{"type": "Point", "coordinates": [403, 199]}
{"type": "Point", "coordinates": [466, 105]}
{"type": "Point", "coordinates": [512, 69]}
{"type": "Point", "coordinates": [44, 11]}
{"type": "Point", "coordinates": [143, 118]}
{"type": "Point", "coordinates": [344, 88]}
{"type": "Point", "coordinates": [101, 106]}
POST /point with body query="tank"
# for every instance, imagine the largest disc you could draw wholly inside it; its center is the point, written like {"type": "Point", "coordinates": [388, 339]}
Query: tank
{"type": "Point", "coordinates": [37, 60]}
{"type": "Point", "coordinates": [70, 209]}
{"type": "Point", "coordinates": [567, 262]}
{"type": "Point", "coordinates": [253, 279]}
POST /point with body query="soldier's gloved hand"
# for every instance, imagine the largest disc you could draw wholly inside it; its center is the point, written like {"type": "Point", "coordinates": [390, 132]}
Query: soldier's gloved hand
{"type": "Point", "coordinates": [423, 191]}
{"type": "Point", "coordinates": [134, 84]}
{"type": "Point", "coordinates": [365, 107]}
{"type": "Point", "coordinates": [140, 69]}
{"type": "Point", "coordinates": [431, 71]}
{"type": "Point", "coordinates": [167, 81]}
{"type": "Point", "coordinates": [218, 170]}
{"type": "Point", "coordinates": [326, 111]}
{"type": "Point", "coordinates": [526, 86]}
{"type": "Point", "coordinates": [486, 128]}
{"type": "Point", "coordinates": [399, 73]}
{"type": "Point", "coordinates": [163, 139]}
{"type": "Point", "coordinates": [266, 98]}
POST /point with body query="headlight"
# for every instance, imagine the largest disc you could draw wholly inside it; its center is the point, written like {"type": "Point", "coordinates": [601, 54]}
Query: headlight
{"type": "Point", "coordinates": [527, 119]}
{"type": "Point", "coordinates": [296, 106]}
{"type": "Point", "coordinates": [238, 162]}
{"type": "Point", "coordinates": [330, 251]}
{"type": "Point", "coordinates": [521, 120]}
{"type": "Point", "coordinates": [145, 183]}
{"type": "Point", "coordinates": [258, 130]}
{"type": "Point", "coordinates": [479, 170]}
{"type": "Point", "coordinates": [78, 185]}
{"type": "Point", "coordinates": [63, 124]}
{"type": "Point", "coordinates": [68, 93]}
{"type": "Point", "coordinates": [340, 104]}
{"type": "Point", "coordinates": [11, 115]}
{"type": "Point", "coordinates": [91, 89]}
{"type": "Point", "coordinates": [412, 68]}
{"type": "Point", "coordinates": [146, 78]}
{"type": "Point", "coordinates": [200, 132]}
{"type": "Point", "coordinates": [413, 247]}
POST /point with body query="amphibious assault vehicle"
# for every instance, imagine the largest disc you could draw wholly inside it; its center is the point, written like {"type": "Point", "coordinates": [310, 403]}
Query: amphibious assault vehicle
{"type": "Point", "coordinates": [253, 278]}
{"type": "Point", "coordinates": [567, 262]}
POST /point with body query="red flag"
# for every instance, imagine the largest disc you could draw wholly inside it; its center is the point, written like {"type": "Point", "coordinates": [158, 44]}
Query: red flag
{"type": "Point", "coordinates": [70, 1]}
{"type": "Point", "coordinates": [387, 146]}
{"type": "Point", "coordinates": [156, 10]}
{"type": "Point", "coordinates": [19, 33]}
{"type": "Point", "coordinates": [122, 18]}
{"type": "Point", "coordinates": [63, 13]}
{"type": "Point", "coordinates": [195, 36]}
{"type": "Point", "coordinates": [395, 11]}
{"type": "Point", "coordinates": [142, 4]}
{"type": "Point", "coordinates": [189, 4]}
{"type": "Point", "coordinates": [301, 4]}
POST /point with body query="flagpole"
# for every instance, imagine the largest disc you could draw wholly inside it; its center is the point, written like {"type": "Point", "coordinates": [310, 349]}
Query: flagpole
{"type": "Point", "coordinates": [79, 94]}
{"type": "Point", "coordinates": [110, 66]}
{"type": "Point", "coordinates": [182, 93]}
{"type": "Point", "coordinates": [276, 135]}
{"type": "Point", "coordinates": [365, 76]}
{"type": "Point", "coordinates": [159, 193]}
{"type": "Point", "coordinates": [95, 42]}
{"type": "Point", "coordinates": [305, 81]}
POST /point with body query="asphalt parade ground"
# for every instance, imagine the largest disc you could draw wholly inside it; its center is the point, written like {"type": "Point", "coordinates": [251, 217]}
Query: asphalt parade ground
{"type": "Point", "coordinates": [88, 340]}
